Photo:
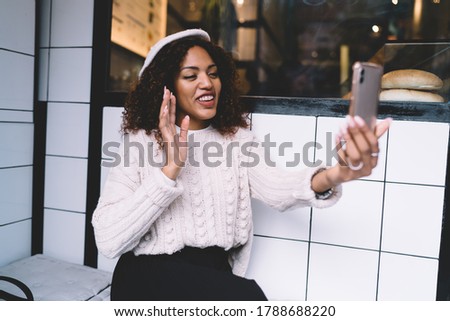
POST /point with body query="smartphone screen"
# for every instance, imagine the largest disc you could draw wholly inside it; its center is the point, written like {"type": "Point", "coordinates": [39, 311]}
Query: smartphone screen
{"type": "Point", "coordinates": [366, 84]}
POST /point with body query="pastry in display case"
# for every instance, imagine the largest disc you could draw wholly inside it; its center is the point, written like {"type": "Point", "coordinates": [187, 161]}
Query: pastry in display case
{"type": "Point", "coordinates": [416, 72]}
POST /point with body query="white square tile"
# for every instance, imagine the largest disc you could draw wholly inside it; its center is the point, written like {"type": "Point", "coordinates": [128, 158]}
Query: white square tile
{"type": "Point", "coordinates": [112, 122]}
{"type": "Point", "coordinates": [17, 22]}
{"type": "Point", "coordinates": [417, 152]}
{"type": "Point", "coordinates": [407, 278]}
{"type": "Point", "coordinates": [72, 23]}
{"type": "Point", "coordinates": [70, 75]}
{"type": "Point", "coordinates": [16, 144]}
{"type": "Point", "coordinates": [65, 183]}
{"type": "Point", "coordinates": [15, 194]}
{"type": "Point", "coordinates": [64, 235]}
{"type": "Point", "coordinates": [355, 220]}
{"type": "Point", "coordinates": [19, 116]}
{"type": "Point", "coordinates": [342, 274]}
{"type": "Point", "coordinates": [291, 224]}
{"type": "Point", "coordinates": [291, 138]}
{"type": "Point", "coordinates": [279, 267]}
{"type": "Point", "coordinates": [327, 128]}
{"type": "Point", "coordinates": [44, 16]}
{"type": "Point", "coordinates": [412, 219]}
{"type": "Point", "coordinates": [43, 74]}
{"type": "Point", "coordinates": [16, 85]}
{"type": "Point", "coordinates": [15, 242]}
{"type": "Point", "coordinates": [68, 129]}
{"type": "Point", "coordinates": [104, 171]}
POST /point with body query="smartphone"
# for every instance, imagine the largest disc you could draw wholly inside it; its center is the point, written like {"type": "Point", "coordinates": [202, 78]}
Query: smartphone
{"type": "Point", "coordinates": [366, 85]}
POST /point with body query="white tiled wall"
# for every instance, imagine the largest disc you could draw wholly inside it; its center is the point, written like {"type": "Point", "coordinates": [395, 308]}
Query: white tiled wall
{"type": "Point", "coordinates": [65, 83]}
{"type": "Point", "coordinates": [379, 242]}
{"type": "Point", "coordinates": [111, 133]}
{"type": "Point", "coordinates": [17, 22]}
{"type": "Point", "coordinates": [64, 235]}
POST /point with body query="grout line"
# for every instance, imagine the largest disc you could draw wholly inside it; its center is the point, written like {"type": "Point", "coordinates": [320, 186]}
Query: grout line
{"type": "Point", "coordinates": [15, 222]}
{"type": "Point", "coordinates": [63, 210]}
{"type": "Point", "coordinates": [67, 102]}
{"type": "Point", "coordinates": [411, 255]}
{"type": "Point", "coordinates": [16, 166]}
{"type": "Point", "coordinates": [65, 47]}
{"type": "Point", "coordinates": [308, 258]}
{"type": "Point", "coordinates": [17, 52]}
{"type": "Point", "coordinates": [16, 122]}
{"type": "Point", "coordinates": [383, 199]}
{"type": "Point", "coordinates": [66, 156]}
{"type": "Point", "coordinates": [280, 238]}
{"type": "Point", "coordinates": [18, 110]}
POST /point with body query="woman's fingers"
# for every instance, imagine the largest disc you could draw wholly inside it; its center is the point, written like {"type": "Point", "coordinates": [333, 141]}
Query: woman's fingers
{"type": "Point", "coordinates": [184, 129]}
{"type": "Point", "coordinates": [382, 127]}
{"type": "Point", "coordinates": [172, 109]}
{"type": "Point", "coordinates": [167, 116]}
{"type": "Point", "coordinates": [362, 145]}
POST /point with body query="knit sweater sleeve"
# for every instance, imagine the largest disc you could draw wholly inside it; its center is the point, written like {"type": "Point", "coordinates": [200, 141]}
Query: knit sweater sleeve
{"type": "Point", "coordinates": [283, 188]}
{"type": "Point", "coordinates": [130, 203]}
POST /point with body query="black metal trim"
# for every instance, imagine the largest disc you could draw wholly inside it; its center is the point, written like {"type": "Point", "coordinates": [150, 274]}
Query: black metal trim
{"type": "Point", "coordinates": [39, 146]}
{"type": "Point", "coordinates": [100, 65]}
{"type": "Point", "coordinates": [337, 107]}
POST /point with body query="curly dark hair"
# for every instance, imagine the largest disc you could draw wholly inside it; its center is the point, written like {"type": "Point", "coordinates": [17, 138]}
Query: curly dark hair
{"type": "Point", "coordinates": [143, 102]}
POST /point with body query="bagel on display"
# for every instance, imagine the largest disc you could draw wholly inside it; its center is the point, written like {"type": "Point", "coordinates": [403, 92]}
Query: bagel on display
{"type": "Point", "coordinates": [411, 85]}
{"type": "Point", "coordinates": [410, 95]}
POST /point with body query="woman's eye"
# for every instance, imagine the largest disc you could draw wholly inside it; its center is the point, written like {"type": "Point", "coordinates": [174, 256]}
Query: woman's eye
{"type": "Point", "coordinates": [189, 77]}
{"type": "Point", "coordinates": [214, 74]}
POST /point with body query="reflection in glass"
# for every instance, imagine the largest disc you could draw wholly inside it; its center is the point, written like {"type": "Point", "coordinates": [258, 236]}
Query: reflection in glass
{"type": "Point", "coordinates": [306, 48]}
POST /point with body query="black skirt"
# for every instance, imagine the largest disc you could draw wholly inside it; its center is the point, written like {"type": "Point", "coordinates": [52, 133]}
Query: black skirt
{"type": "Point", "coordinates": [191, 274]}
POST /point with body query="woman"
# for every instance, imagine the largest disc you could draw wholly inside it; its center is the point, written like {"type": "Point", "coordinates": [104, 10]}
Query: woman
{"type": "Point", "coordinates": [177, 208]}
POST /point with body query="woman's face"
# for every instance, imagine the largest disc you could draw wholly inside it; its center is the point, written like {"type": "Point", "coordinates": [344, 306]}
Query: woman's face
{"type": "Point", "coordinates": [197, 88]}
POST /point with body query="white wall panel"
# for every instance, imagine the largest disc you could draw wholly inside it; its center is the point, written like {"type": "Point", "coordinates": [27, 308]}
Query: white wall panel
{"type": "Point", "coordinates": [72, 23]}
{"type": "Point", "coordinates": [407, 278]}
{"type": "Point", "coordinates": [15, 194]}
{"type": "Point", "coordinates": [15, 241]}
{"type": "Point", "coordinates": [413, 219]}
{"type": "Point", "coordinates": [417, 152]}
{"type": "Point", "coordinates": [16, 85]}
{"type": "Point", "coordinates": [279, 267]}
{"type": "Point", "coordinates": [292, 136]}
{"type": "Point", "coordinates": [65, 183]}
{"type": "Point", "coordinates": [64, 235]}
{"type": "Point", "coordinates": [18, 116]}
{"type": "Point", "coordinates": [17, 24]}
{"type": "Point", "coordinates": [70, 74]}
{"type": "Point", "coordinates": [337, 274]}
{"type": "Point", "coordinates": [68, 129]}
{"type": "Point", "coordinates": [16, 144]}
{"type": "Point", "coordinates": [292, 224]}
{"type": "Point", "coordinates": [355, 220]}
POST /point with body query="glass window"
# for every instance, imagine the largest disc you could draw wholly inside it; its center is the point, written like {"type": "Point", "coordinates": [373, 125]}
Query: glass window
{"type": "Point", "coordinates": [305, 48]}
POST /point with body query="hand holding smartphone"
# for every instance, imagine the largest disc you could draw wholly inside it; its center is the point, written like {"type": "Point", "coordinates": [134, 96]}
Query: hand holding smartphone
{"type": "Point", "coordinates": [366, 84]}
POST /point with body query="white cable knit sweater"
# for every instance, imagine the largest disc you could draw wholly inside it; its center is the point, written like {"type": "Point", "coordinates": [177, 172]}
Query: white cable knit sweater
{"type": "Point", "coordinates": [142, 210]}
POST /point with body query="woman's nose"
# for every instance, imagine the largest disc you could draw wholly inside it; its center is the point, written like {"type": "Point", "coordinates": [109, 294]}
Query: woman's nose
{"type": "Point", "coordinates": [205, 81]}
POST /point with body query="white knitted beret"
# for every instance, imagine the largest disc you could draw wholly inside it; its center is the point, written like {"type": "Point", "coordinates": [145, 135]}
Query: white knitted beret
{"type": "Point", "coordinates": [164, 41]}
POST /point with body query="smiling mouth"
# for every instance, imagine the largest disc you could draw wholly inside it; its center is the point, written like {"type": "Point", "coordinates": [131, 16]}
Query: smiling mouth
{"type": "Point", "coordinates": [206, 98]}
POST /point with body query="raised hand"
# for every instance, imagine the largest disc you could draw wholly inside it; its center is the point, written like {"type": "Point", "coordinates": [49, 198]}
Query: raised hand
{"type": "Point", "coordinates": [175, 145]}
{"type": "Point", "coordinates": [358, 154]}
